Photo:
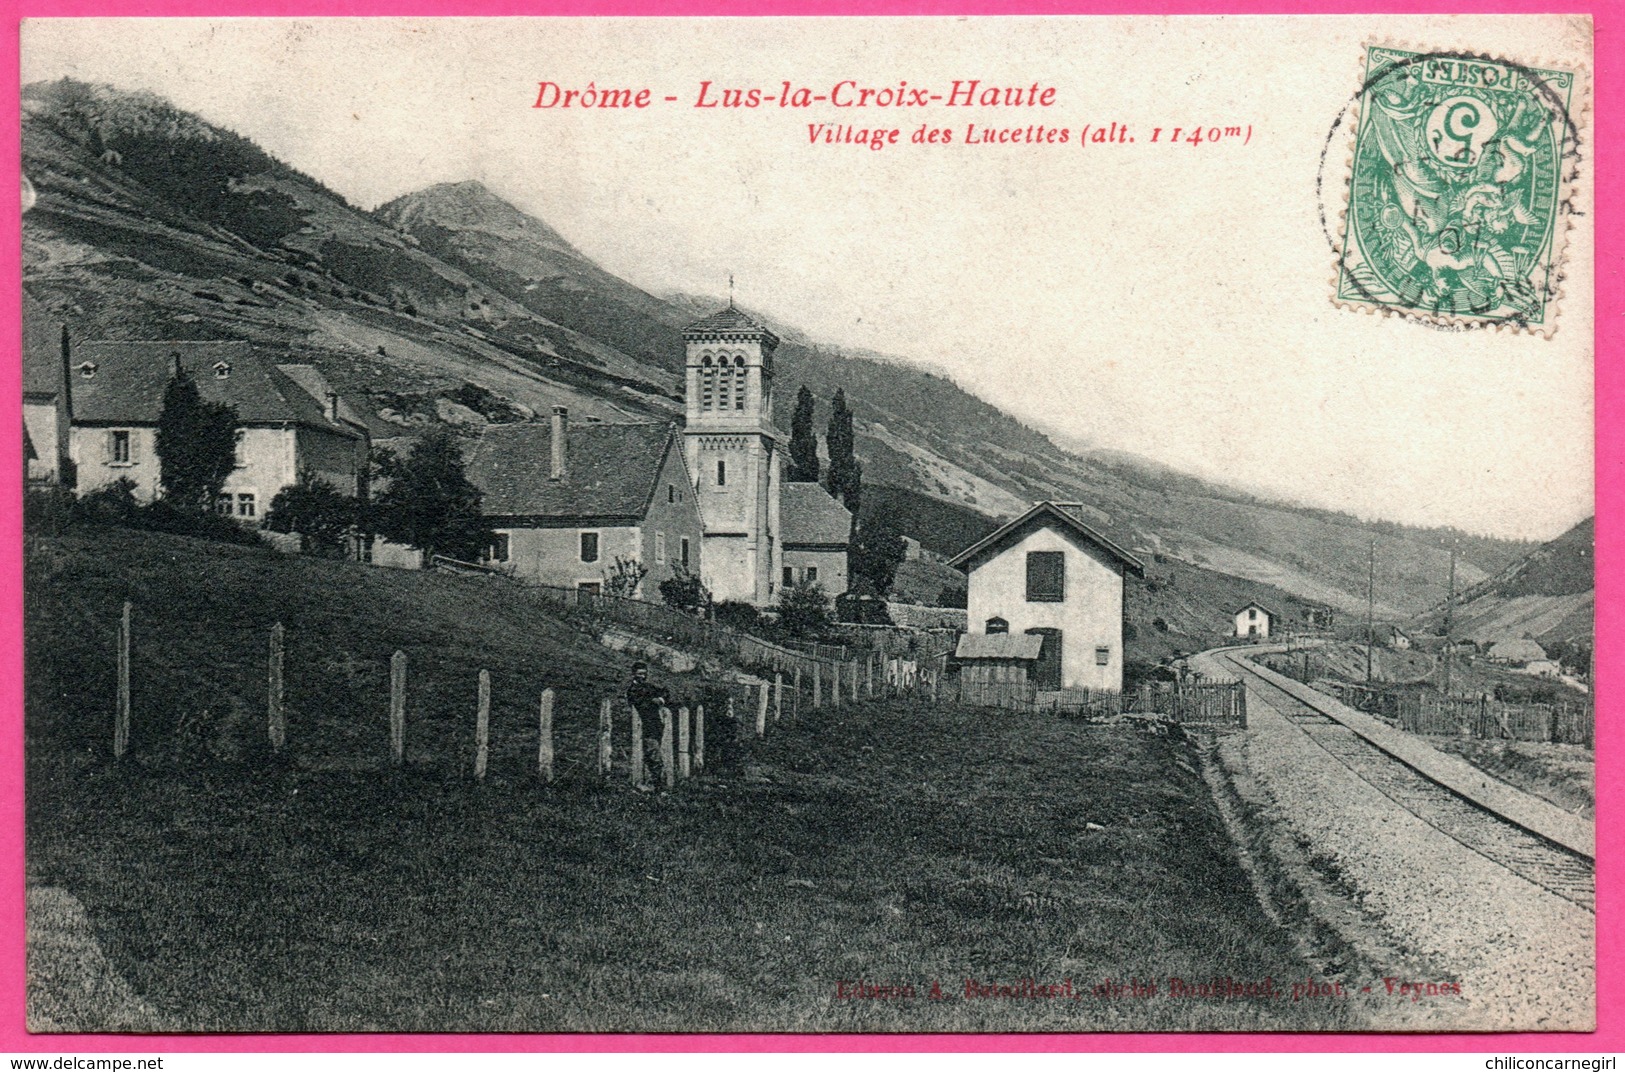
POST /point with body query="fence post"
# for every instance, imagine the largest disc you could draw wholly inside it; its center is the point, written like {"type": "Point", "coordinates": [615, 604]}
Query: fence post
{"type": "Point", "coordinates": [699, 739]}
{"type": "Point", "coordinates": [668, 767]}
{"type": "Point", "coordinates": [636, 764]}
{"type": "Point", "coordinates": [397, 708]}
{"type": "Point", "coordinates": [869, 667]}
{"type": "Point", "coordinates": [854, 665]}
{"type": "Point", "coordinates": [683, 770]}
{"type": "Point", "coordinates": [796, 707]}
{"type": "Point", "coordinates": [936, 676]}
{"type": "Point", "coordinates": [761, 713]}
{"type": "Point", "coordinates": [544, 745]}
{"type": "Point", "coordinates": [121, 715]}
{"type": "Point", "coordinates": [817, 678]}
{"type": "Point", "coordinates": [606, 736]}
{"type": "Point", "coordinates": [778, 697]}
{"type": "Point", "coordinates": [275, 719]}
{"type": "Point", "coordinates": [482, 727]}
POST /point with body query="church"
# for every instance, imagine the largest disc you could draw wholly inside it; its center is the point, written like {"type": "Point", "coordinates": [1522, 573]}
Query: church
{"type": "Point", "coordinates": [709, 496]}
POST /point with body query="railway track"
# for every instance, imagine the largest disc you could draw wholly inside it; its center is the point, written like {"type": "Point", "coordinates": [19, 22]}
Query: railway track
{"type": "Point", "coordinates": [1553, 867]}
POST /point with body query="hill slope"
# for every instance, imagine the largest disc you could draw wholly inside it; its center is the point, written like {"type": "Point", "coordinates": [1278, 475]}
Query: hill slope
{"type": "Point", "coordinates": [450, 305]}
{"type": "Point", "coordinates": [1549, 594]}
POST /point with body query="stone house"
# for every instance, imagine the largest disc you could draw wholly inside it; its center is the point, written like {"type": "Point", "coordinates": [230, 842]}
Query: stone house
{"type": "Point", "coordinates": [817, 529]}
{"type": "Point", "coordinates": [567, 500]}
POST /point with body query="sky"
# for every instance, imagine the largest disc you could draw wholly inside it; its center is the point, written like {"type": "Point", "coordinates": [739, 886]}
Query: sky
{"type": "Point", "coordinates": [1167, 299]}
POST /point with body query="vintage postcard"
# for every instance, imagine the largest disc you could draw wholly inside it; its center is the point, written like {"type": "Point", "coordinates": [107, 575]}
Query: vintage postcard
{"type": "Point", "coordinates": [877, 524]}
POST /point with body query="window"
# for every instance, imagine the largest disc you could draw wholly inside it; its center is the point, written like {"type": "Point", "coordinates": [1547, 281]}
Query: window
{"type": "Point", "coordinates": [221, 370]}
{"type": "Point", "coordinates": [722, 472]}
{"type": "Point", "coordinates": [245, 504]}
{"type": "Point", "coordinates": [671, 493]}
{"type": "Point", "coordinates": [1252, 614]}
{"type": "Point", "coordinates": [739, 390]}
{"type": "Point", "coordinates": [364, 547]}
{"type": "Point", "coordinates": [499, 548]}
{"type": "Point", "coordinates": [1103, 656]}
{"type": "Point", "coordinates": [997, 625]}
{"type": "Point", "coordinates": [223, 504]}
{"type": "Point", "coordinates": [660, 548]}
{"type": "Point", "coordinates": [1046, 576]}
{"type": "Point", "coordinates": [684, 549]}
{"type": "Point", "coordinates": [87, 369]}
{"type": "Point", "coordinates": [121, 448]}
{"type": "Point", "coordinates": [589, 588]}
{"type": "Point", "coordinates": [810, 574]}
{"type": "Point", "coordinates": [789, 576]}
{"type": "Point", "coordinates": [589, 547]}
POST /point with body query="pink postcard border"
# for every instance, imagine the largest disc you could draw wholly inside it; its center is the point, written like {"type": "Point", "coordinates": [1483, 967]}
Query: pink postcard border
{"type": "Point", "coordinates": [1606, 157]}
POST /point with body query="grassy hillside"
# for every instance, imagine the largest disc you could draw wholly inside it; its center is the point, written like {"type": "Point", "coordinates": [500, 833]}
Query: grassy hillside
{"type": "Point", "coordinates": [324, 891]}
{"type": "Point", "coordinates": [1548, 594]}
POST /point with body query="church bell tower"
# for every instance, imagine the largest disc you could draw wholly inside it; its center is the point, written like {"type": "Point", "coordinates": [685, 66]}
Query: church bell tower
{"type": "Point", "coordinates": [733, 454]}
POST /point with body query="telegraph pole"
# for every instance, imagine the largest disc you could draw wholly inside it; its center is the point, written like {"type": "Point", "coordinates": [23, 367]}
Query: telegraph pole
{"type": "Point", "coordinates": [1449, 618]}
{"type": "Point", "coordinates": [1370, 608]}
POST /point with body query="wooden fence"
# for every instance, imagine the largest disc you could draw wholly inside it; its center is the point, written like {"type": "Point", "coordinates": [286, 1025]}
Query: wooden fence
{"type": "Point", "coordinates": [1421, 710]}
{"type": "Point", "coordinates": [1216, 705]}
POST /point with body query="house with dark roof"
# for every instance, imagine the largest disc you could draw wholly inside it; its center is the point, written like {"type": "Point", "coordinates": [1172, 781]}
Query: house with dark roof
{"type": "Point", "coordinates": [47, 404]}
{"type": "Point", "coordinates": [1049, 574]}
{"type": "Point", "coordinates": [567, 500]}
{"type": "Point", "coordinates": [288, 421]}
{"type": "Point", "coordinates": [816, 529]}
{"type": "Point", "coordinates": [1253, 621]}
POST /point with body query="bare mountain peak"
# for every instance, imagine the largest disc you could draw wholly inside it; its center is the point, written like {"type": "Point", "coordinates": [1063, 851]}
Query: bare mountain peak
{"type": "Point", "coordinates": [469, 205]}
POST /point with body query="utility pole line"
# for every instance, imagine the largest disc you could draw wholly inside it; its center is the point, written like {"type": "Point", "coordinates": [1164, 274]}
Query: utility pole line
{"type": "Point", "coordinates": [1370, 608]}
{"type": "Point", "coordinates": [1449, 619]}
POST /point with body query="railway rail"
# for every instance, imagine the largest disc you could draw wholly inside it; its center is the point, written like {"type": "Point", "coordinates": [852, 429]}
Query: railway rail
{"type": "Point", "coordinates": [1559, 869]}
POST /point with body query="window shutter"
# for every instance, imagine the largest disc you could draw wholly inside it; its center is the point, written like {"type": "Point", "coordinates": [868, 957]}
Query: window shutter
{"type": "Point", "coordinates": [1046, 576]}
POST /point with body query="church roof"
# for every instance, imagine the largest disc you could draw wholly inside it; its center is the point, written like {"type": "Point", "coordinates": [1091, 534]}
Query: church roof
{"type": "Point", "coordinates": [810, 515]}
{"type": "Point", "coordinates": [731, 321]}
{"type": "Point", "coordinates": [610, 471]}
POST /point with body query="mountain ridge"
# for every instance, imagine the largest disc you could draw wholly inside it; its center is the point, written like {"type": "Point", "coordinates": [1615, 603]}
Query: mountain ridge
{"type": "Point", "coordinates": [150, 226]}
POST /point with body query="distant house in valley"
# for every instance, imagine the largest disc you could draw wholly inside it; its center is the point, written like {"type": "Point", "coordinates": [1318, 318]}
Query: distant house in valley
{"type": "Point", "coordinates": [1543, 668]}
{"type": "Point", "coordinates": [289, 421]}
{"type": "Point", "coordinates": [1319, 618]}
{"type": "Point", "coordinates": [1049, 575]}
{"type": "Point", "coordinates": [1253, 621]}
{"type": "Point", "coordinates": [47, 398]}
{"type": "Point", "coordinates": [1393, 636]}
{"type": "Point", "coordinates": [567, 500]}
{"type": "Point", "coordinates": [816, 529]}
{"type": "Point", "coordinates": [1517, 652]}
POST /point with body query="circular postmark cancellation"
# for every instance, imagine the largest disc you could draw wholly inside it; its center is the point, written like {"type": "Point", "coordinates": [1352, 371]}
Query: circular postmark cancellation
{"type": "Point", "coordinates": [1459, 191]}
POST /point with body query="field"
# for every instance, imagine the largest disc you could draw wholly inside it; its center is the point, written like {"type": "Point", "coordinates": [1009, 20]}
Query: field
{"type": "Point", "coordinates": [319, 890]}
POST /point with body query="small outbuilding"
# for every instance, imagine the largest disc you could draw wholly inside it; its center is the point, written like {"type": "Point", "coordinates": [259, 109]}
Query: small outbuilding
{"type": "Point", "coordinates": [1253, 621]}
{"type": "Point", "coordinates": [998, 658]}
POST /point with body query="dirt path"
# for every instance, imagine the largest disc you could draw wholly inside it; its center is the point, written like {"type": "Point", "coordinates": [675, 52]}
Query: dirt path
{"type": "Point", "coordinates": [71, 985]}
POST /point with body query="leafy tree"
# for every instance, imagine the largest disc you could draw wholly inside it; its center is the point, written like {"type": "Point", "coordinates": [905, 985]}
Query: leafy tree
{"type": "Point", "coordinates": [622, 578]}
{"type": "Point", "coordinates": [317, 511]}
{"type": "Point", "coordinates": [685, 591]}
{"type": "Point", "coordinates": [845, 479]}
{"type": "Point", "coordinates": [196, 444]}
{"type": "Point", "coordinates": [804, 608]}
{"type": "Point", "coordinates": [876, 551]}
{"type": "Point", "coordinates": [430, 503]}
{"type": "Point", "coordinates": [803, 440]}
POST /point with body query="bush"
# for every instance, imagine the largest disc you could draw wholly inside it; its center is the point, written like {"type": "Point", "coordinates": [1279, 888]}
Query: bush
{"type": "Point", "coordinates": [623, 578]}
{"type": "Point", "coordinates": [737, 615]}
{"type": "Point", "coordinates": [804, 609]}
{"type": "Point", "coordinates": [317, 512]}
{"type": "Point", "coordinates": [165, 516]}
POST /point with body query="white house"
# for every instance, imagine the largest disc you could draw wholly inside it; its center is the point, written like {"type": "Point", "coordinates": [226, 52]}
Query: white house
{"type": "Point", "coordinates": [566, 501]}
{"type": "Point", "coordinates": [1253, 621]}
{"type": "Point", "coordinates": [817, 529]}
{"type": "Point", "coordinates": [46, 398]}
{"type": "Point", "coordinates": [1048, 574]}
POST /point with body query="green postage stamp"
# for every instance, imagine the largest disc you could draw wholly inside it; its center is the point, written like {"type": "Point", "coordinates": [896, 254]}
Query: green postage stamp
{"type": "Point", "coordinates": [1460, 189]}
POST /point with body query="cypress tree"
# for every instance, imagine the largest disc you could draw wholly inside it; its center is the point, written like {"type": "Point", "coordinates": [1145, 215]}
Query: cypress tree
{"type": "Point", "coordinates": [196, 443]}
{"type": "Point", "coordinates": [803, 440]}
{"type": "Point", "coordinates": [845, 480]}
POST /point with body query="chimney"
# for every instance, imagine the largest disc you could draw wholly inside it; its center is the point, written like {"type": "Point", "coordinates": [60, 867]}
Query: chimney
{"type": "Point", "coordinates": [333, 406]}
{"type": "Point", "coordinates": [561, 430]}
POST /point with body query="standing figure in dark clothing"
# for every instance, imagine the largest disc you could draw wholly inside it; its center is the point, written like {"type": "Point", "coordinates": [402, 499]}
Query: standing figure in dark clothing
{"type": "Point", "coordinates": [646, 700]}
